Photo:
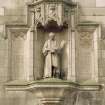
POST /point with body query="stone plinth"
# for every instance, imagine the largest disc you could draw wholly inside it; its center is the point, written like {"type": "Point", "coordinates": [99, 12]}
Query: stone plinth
{"type": "Point", "coordinates": [51, 91]}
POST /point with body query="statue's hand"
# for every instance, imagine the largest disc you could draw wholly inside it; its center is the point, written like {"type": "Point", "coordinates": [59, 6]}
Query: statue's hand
{"type": "Point", "coordinates": [48, 49]}
{"type": "Point", "coordinates": [53, 51]}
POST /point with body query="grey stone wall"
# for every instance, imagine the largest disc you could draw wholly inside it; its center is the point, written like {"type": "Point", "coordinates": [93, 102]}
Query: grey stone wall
{"type": "Point", "coordinates": [89, 11]}
{"type": "Point", "coordinates": [11, 11]}
{"type": "Point", "coordinates": [14, 11]}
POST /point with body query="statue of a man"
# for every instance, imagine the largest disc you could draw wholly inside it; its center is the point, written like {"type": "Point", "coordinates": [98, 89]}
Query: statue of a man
{"type": "Point", "coordinates": [51, 53]}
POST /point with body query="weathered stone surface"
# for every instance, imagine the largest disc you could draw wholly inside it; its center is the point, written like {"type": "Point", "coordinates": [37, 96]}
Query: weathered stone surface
{"type": "Point", "coordinates": [86, 11]}
{"type": "Point", "coordinates": [15, 12]}
{"type": "Point", "coordinates": [87, 3]}
{"type": "Point", "coordinates": [98, 19]}
{"type": "Point", "coordinates": [100, 3]}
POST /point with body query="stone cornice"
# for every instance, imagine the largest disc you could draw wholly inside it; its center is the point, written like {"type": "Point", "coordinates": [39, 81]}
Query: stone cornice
{"type": "Point", "coordinates": [15, 27]}
{"type": "Point", "coordinates": [88, 23]}
{"type": "Point", "coordinates": [88, 26]}
{"type": "Point", "coordinates": [31, 85]}
{"type": "Point", "coordinates": [57, 1]}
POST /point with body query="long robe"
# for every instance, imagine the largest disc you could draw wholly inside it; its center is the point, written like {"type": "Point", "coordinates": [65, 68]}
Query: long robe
{"type": "Point", "coordinates": [51, 59]}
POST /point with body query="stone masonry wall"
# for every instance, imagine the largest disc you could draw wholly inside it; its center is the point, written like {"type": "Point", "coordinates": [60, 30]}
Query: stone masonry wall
{"type": "Point", "coordinates": [14, 11]}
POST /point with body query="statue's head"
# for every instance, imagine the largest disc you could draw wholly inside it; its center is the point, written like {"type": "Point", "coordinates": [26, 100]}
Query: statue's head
{"type": "Point", "coordinates": [52, 35]}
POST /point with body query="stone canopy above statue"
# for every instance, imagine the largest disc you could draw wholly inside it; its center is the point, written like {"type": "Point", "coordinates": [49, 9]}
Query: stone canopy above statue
{"type": "Point", "coordinates": [50, 11]}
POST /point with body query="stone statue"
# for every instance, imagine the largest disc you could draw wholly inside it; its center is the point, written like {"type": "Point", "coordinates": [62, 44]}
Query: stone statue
{"type": "Point", "coordinates": [51, 52]}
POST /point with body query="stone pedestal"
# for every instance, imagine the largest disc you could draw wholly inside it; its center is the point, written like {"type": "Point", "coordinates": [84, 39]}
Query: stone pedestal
{"type": "Point", "coordinates": [51, 91]}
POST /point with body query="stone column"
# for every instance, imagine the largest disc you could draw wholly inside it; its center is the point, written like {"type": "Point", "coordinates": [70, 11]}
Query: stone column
{"type": "Point", "coordinates": [28, 56]}
{"type": "Point", "coordinates": [71, 37]}
{"type": "Point", "coordinates": [28, 59]}
{"type": "Point", "coordinates": [96, 39]}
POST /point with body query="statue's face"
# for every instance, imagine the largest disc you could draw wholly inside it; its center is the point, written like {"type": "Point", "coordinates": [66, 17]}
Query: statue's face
{"type": "Point", "coordinates": [52, 36]}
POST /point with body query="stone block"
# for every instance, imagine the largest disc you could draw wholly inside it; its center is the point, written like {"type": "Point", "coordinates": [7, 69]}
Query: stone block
{"type": "Point", "coordinates": [97, 19]}
{"type": "Point", "coordinates": [87, 3]}
{"type": "Point", "coordinates": [100, 3]}
{"type": "Point", "coordinates": [15, 12]}
{"type": "Point", "coordinates": [13, 3]}
{"type": "Point", "coordinates": [92, 11]}
{"type": "Point", "coordinates": [12, 19]}
{"type": "Point", "coordinates": [2, 11]}
{"type": "Point", "coordinates": [103, 54]}
{"type": "Point", "coordinates": [16, 98]}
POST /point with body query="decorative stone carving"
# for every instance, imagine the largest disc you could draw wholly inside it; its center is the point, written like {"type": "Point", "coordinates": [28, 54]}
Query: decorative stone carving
{"type": "Point", "coordinates": [38, 12]}
{"type": "Point", "coordinates": [85, 39]}
{"type": "Point", "coordinates": [19, 34]}
{"type": "Point", "coordinates": [66, 13]}
{"type": "Point", "coordinates": [51, 10]}
{"type": "Point", "coordinates": [54, 12]}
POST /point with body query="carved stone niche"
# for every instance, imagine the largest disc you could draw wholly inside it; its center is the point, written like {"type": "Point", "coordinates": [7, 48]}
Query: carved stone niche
{"type": "Point", "coordinates": [87, 50]}
{"type": "Point", "coordinates": [17, 51]}
{"type": "Point", "coordinates": [52, 16]}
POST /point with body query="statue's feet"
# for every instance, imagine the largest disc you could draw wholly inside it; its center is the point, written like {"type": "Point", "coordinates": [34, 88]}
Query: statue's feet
{"type": "Point", "coordinates": [46, 77]}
